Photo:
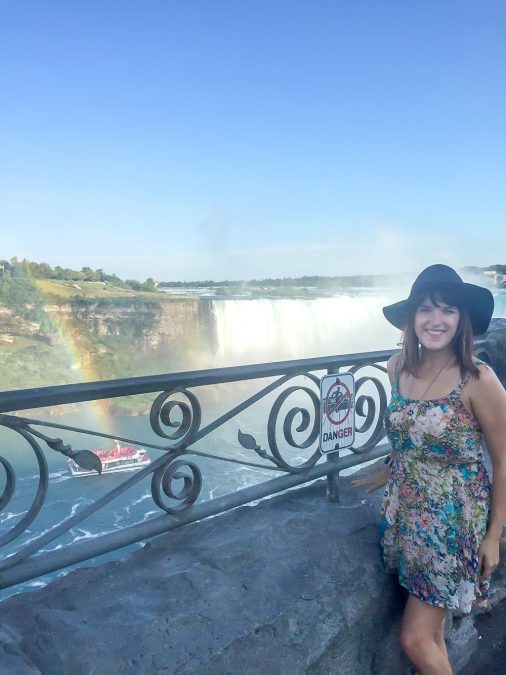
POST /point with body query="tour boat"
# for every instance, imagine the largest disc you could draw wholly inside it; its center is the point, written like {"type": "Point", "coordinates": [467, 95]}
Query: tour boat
{"type": "Point", "coordinates": [119, 458]}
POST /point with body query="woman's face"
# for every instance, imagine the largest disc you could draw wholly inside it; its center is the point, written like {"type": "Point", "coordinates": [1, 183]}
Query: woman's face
{"type": "Point", "coordinates": [435, 325]}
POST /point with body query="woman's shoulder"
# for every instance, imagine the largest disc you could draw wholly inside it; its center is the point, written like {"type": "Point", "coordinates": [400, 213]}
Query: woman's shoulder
{"type": "Point", "coordinates": [487, 396]}
{"type": "Point", "coordinates": [485, 371]}
{"type": "Point", "coordinates": [487, 380]}
{"type": "Point", "coordinates": [487, 375]}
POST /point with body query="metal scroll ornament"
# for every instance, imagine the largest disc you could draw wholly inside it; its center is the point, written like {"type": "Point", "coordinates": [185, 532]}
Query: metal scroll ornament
{"type": "Point", "coordinates": [163, 483]}
{"type": "Point", "coordinates": [162, 414]}
{"type": "Point", "coordinates": [370, 409]}
{"type": "Point", "coordinates": [296, 419]}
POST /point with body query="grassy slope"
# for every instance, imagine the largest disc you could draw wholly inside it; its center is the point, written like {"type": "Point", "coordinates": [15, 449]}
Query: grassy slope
{"type": "Point", "coordinates": [64, 290]}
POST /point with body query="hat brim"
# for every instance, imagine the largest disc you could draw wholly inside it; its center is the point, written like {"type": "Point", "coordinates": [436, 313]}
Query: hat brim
{"type": "Point", "coordinates": [478, 301]}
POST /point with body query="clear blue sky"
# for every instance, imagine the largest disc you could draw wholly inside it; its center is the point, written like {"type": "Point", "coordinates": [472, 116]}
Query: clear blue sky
{"type": "Point", "coordinates": [235, 139]}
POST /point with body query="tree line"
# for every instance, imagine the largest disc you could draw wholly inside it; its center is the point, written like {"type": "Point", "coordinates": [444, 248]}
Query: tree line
{"type": "Point", "coordinates": [25, 269]}
{"type": "Point", "coordinates": [32, 270]}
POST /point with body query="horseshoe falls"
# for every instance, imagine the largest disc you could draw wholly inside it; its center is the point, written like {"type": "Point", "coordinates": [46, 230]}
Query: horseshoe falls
{"type": "Point", "coordinates": [257, 330]}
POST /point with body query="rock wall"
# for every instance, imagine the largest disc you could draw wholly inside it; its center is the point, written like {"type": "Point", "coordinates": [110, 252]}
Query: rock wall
{"type": "Point", "coordinates": [491, 347]}
{"type": "Point", "coordinates": [105, 339]}
{"type": "Point", "coordinates": [151, 325]}
{"type": "Point", "coordinates": [294, 585]}
{"type": "Point", "coordinates": [12, 327]}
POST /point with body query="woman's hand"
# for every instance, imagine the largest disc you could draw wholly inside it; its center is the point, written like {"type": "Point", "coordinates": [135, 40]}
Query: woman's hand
{"type": "Point", "coordinates": [488, 556]}
{"type": "Point", "coordinates": [375, 482]}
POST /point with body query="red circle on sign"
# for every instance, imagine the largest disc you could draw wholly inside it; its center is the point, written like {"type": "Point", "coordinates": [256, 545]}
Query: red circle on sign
{"type": "Point", "coordinates": [345, 396]}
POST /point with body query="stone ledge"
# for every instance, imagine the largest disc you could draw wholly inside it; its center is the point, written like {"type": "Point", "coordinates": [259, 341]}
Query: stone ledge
{"type": "Point", "coordinates": [294, 585]}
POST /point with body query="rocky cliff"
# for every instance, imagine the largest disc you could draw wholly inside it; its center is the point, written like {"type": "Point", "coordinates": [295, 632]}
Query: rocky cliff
{"type": "Point", "coordinates": [104, 339]}
{"type": "Point", "coordinates": [491, 347]}
{"type": "Point", "coordinates": [150, 325]}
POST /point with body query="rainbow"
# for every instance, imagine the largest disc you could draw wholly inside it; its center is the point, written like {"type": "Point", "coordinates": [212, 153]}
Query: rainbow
{"type": "Point", "coordinates": [97, 415]}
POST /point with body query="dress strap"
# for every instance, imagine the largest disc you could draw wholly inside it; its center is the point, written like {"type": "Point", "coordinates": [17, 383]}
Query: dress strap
{"type": "Point", "coordinates": [462, 383]}
{"type": "Point", "coordinates": [395, 384]}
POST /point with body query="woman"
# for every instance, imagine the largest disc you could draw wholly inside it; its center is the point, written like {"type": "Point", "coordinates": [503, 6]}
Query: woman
{"type": "Point", "coordinates": [441, 519]}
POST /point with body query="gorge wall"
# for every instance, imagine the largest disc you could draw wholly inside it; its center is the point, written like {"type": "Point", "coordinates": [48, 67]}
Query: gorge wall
{"type": "Point", "coordinates": [149, 325]}
{"type": "Point", "coordinates": [104, 339]}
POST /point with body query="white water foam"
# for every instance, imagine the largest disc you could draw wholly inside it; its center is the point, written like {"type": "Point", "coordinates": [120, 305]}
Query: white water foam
{"type": "Point", "coordinates": [59, 477]}
{"type": "Point", "coordinates": [149, 514]}
{"type": "Point", "coordinates": [9, 516]}
{"type": "Point", "coordinates": [75, 506]}
{"type": "Point", "coordinates": [142, 498]}
{"type": "Point", "coordinates": [84, 534]}
{"type": "Point", "coordinates": [36, 536]}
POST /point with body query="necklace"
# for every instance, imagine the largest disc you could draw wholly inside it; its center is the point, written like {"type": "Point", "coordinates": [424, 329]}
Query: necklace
{"type": "Point", "coordinates": [443, 367]}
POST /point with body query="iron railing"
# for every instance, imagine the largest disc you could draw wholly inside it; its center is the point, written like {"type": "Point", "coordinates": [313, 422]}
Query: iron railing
{"type": "Point", "coordinates": [176, 418]}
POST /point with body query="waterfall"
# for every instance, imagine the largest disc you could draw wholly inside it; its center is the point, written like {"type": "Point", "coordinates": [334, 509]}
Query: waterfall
{"type": "Point", "coordinates": [271, 329]}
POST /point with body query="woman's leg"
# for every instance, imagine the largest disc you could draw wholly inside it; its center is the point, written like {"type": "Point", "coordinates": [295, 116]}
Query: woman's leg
{"type": "Point", "coordinates": [422, 637]}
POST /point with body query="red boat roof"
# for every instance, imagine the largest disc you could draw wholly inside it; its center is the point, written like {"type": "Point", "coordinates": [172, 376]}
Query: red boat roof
{"type": "Point", "coordinates": [122, 451]}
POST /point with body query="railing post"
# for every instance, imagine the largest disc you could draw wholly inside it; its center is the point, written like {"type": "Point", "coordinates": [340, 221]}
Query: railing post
{"type": "Point", "coordinates": [332, 458]}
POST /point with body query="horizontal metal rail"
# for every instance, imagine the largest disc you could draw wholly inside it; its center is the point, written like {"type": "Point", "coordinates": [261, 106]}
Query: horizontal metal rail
{"type": "Point", "coordinates": [25, 399]}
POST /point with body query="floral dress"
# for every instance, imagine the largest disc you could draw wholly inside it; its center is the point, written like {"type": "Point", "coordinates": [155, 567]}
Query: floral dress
{"type": "Point", "coordinates": [436, 503]}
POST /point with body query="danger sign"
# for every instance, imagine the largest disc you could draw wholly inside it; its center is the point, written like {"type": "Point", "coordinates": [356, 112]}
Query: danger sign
{"type": "Point", "coordinates": [337, 395]}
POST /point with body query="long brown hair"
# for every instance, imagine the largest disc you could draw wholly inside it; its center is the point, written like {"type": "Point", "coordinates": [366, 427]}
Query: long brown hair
{"type": "Point", "coordinates": [462, 343]}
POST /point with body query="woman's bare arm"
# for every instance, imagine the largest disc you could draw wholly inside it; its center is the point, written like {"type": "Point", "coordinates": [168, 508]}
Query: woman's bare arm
{"type": "Point", "coordinates": [488, 400]}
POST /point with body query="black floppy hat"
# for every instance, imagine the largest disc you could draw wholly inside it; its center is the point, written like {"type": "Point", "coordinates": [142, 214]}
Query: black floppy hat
{"type": "Point", "coordinates": [478, 301]}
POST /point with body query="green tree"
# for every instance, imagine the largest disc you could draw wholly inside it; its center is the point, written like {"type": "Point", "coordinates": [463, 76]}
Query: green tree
{"type": "Point", "coordinates": [40, 270]}
{"type": "Point", "coordinates": [18, 293]}
{"type": "Point", "coordinates": [149, 285]}
{"type": "Point", "coordinates": [89, 274]}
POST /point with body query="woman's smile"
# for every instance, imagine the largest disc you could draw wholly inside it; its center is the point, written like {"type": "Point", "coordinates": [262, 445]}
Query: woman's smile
{"type": "Point", "coordinates": [434, 332]}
